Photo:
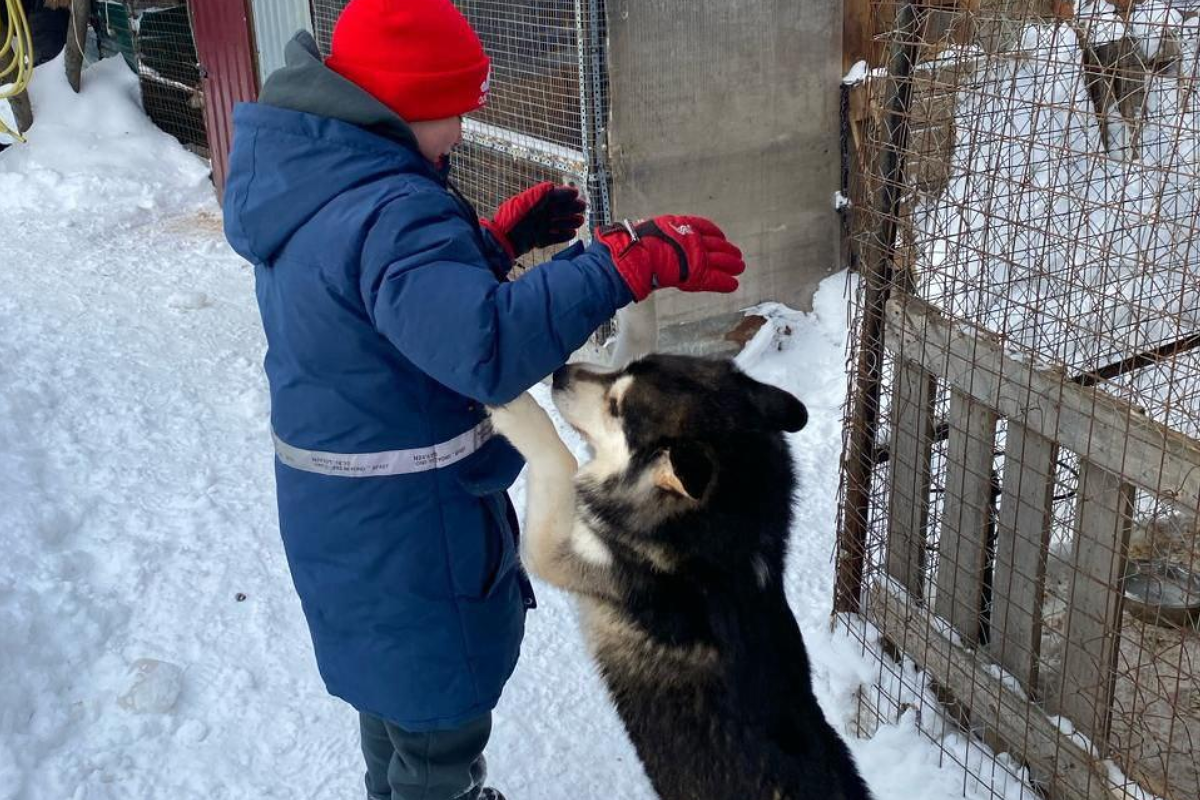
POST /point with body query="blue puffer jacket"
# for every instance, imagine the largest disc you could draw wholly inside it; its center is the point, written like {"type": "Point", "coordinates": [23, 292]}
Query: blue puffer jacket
{"type": "Point", "coordinates": [389, 323]}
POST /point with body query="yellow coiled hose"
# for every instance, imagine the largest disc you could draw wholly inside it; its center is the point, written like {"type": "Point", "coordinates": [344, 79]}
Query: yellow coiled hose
{"type": "Point", "coordinates": [16, 56]}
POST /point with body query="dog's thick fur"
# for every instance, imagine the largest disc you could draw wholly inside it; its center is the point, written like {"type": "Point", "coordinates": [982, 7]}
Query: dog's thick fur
{"type": "Point", "coordinates": [673, 539]}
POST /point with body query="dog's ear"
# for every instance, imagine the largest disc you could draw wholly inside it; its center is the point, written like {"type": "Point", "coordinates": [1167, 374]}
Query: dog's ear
{"type": "Point", "coordinates": [685, 469]}
{"type": "Point", "coordinates": [773, 409]}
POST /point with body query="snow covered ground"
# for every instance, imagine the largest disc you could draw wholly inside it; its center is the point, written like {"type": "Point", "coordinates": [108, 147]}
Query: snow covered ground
{"type": "Point", "coordinates": [137, 516]}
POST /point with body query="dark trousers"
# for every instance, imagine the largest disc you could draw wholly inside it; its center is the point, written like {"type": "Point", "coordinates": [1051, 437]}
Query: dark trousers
{"type": "Point", "coordinates": [440, 765]}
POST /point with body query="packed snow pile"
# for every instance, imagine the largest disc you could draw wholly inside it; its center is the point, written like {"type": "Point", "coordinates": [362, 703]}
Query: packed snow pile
{"type": "Point", "coordinates": [1077, 255]}
{"type": "Point", "coordinates": [1100, 22]}
{"type": "Point", "coordinates": [97, 151]}
{"type": "Point", "coordinates": [1150, 23]}
{"type": "Point", "coordinates": [1153, 24]}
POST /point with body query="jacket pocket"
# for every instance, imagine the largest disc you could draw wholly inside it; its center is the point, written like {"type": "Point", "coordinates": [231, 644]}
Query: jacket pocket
{"type": "Point", "coordinates": [483, 570]}
{"type": "Point", "coordinates": [497, 504]}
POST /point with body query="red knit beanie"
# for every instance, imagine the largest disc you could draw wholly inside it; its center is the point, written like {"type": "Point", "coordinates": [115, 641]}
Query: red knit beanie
{"type": "Point", "coordinates": [420, 58]}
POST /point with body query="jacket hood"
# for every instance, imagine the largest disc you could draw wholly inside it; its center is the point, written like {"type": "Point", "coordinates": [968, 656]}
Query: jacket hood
{"type": "Point", "coordinates": [311, 137]}
{"type": "Point", "coordinates": [305, 84]}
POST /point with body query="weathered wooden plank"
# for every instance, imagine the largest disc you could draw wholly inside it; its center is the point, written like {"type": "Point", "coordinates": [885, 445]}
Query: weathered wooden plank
{"type": "Point", "coordinates": [1103, 520]}
{"type": "Point", "coordinates": [1056, 761]}
{"type": "Point", "coordinates": [962, 543]}
{"type": "Point", "coordinates": [1022, 545]}
{"type": "Point", "coordinates": [857, 34]}
{"type": "Point", "coordinates": [1113, 434]}
{"type": "Point", "coordinates": [912, 447]}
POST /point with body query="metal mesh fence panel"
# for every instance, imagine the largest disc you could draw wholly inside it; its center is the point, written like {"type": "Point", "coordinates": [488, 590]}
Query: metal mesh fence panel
{"type": "Point", "coordinates": [1019, 540]}
{"type": "Point", "coordinates": [156, 40]}
{"type": "Point", "coordinates": [324, 16]}
{"type": "Point", "coordinates": [545, 113]}
{"type": "Point", "coordinates": [536, 67]}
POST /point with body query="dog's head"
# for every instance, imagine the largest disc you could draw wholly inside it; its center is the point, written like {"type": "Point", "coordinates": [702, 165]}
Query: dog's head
{"type": "Point", "coordinates": [666, 430]}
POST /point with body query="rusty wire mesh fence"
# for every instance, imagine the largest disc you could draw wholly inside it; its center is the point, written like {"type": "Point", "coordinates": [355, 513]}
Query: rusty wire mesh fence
{"type": "Point", "coordinates": [545, 114]}
{"type": "Point", "coordinates": [1019, 539]}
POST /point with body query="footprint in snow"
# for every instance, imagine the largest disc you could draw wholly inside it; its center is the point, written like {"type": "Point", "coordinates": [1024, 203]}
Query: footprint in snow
{"type": "Point", "coordinates": [189, 301]}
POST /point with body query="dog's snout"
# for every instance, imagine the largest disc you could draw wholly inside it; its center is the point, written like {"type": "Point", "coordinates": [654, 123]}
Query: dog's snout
{"type": "Point", "coordinates": [561, 379]}
{"type": "Point", "coordinates": [802, 417]}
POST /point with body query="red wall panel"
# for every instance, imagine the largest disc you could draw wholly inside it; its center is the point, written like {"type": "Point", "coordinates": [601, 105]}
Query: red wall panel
{"type": "Point", "coordinates": [224, 43]}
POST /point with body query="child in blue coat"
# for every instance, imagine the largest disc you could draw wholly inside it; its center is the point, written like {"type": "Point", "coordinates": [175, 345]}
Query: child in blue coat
{"type": "Point", "coordinates": [390, 324]}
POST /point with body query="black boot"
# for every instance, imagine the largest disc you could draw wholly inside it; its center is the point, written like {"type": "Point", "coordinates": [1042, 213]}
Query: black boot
{"type": "Point", "coordinates": [479, 775]}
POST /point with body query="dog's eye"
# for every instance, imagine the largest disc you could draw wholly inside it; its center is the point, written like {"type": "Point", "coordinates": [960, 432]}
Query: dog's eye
{"type": "Point", "coordinates": [612, 406]}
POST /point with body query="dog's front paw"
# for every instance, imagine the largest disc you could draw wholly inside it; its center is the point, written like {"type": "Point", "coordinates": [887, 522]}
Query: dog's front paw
{"type": "Point", "coordinates": [524, 423]}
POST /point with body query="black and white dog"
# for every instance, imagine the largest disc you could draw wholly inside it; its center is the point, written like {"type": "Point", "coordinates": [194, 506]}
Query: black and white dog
{"type": "Point", "coordinates": [673, 540]}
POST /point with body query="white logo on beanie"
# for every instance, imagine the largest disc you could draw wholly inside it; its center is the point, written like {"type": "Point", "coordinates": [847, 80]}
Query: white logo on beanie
{"type": "Point", "coordinates": [485, 87]}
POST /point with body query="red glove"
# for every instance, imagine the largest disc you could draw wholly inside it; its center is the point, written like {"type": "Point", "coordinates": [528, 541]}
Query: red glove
{"type": "Point", "coordinates": [539, 217]}
{"type": "Point", "coordinates": [688, 252]}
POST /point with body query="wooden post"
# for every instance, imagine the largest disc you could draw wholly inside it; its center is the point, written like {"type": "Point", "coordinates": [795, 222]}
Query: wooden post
{"type": "Point", "coordinates": [962, 543]}
{"type": "Point", "coordinates": [911, 449]}
{"type": "Point", "coordinates": [1102, 525]}
{"type": "Point", "coordinates": [1022, 543]}
{"type": "Point", "coordinates": [857, 34]}
{"type": "Point", "coordinates": [880, 278]}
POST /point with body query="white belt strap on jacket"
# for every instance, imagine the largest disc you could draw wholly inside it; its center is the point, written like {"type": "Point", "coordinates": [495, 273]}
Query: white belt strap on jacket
{"type": "Point", "coordinates": [390, 462]}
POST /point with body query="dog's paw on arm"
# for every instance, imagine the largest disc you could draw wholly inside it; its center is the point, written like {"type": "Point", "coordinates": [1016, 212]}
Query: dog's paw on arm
{"type": "Point", "coordinates": [521, 421]}
{"type": "Point", "coordinates": [529, 428]}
